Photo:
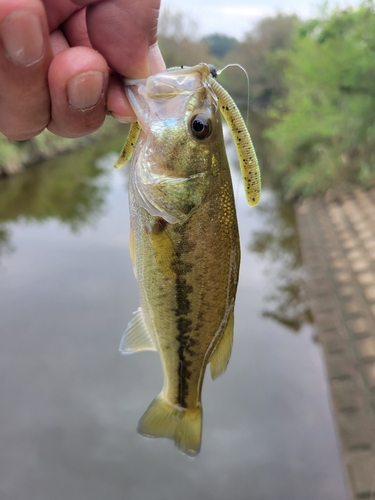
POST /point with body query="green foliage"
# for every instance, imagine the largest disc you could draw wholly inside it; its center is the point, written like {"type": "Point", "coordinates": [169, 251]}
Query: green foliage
{"type": "Point", "coordinates": [262, 55]}
{"type": "Point", "coordinates": [219, 45]}
{"type": "Point", "coordinates": [259, 53]}
{"type": "Point", "coordinates": [324, 128]}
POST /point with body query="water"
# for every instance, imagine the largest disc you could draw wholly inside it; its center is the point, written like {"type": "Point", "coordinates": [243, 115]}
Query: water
{"type": "Point", "coordinates": [70, 402]}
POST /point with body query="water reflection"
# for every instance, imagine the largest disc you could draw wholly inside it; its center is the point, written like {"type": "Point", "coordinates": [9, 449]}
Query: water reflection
{"type": "Point", "coordinates": [71, 189]}
{"type": "Point", "coordinates": [277, 240]}
{"type": "Point", "coordinates": [5, 244]}
{"type": "Point", "coordinates": [278, 243]}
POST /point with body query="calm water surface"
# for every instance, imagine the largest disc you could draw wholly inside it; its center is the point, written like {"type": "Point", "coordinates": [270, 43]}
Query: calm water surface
{"type": "Point", "coordinates": [70, 402]}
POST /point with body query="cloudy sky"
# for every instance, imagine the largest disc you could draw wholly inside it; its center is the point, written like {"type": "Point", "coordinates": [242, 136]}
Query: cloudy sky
{"type": "Point", "coordinates": [235, 17]}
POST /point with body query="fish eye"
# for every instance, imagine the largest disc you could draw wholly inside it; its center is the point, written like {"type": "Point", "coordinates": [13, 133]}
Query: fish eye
{"type": "Point", "coordinates": [200, 126]}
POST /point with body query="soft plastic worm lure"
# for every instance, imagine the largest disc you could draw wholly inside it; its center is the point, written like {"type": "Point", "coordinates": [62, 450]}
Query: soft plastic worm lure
{"type": "Point", "coordinates": [245, 149]}
{"type": "Point", "coordinates": [129, 146]}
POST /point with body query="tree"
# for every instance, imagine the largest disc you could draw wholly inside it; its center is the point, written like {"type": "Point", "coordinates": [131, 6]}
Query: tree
{"type": "Point", "coordinates": [262, 55]}
{"type": "Point", "coordinates": [219, 44]}
{"type": "Point", "coordinates": [324, 129]}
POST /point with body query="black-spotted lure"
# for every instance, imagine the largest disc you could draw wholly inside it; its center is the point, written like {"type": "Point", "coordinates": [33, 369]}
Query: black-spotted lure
{"type": "Point", "coordinates": [184, 238]}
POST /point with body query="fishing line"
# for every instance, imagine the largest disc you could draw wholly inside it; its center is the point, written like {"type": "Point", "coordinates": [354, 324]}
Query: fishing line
{"type": "Point", "coordinates": [248, 85]}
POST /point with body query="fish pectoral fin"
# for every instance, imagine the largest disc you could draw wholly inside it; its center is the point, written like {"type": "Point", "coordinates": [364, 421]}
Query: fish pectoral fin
{"type": "Point", "coordinates": [164, 420]}
{"type": "Point", "coordinates": [220, 357]}
{"type": "Point", "coordinates": [182, 196]}
{"type": "Point", "coordinates": [136, 337]}
{"type": "Point", "coordinates": [164, 252]}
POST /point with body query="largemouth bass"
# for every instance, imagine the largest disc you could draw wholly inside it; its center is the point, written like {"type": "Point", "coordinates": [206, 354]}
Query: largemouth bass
{"type": "Point", "coordinates": [184, 238]}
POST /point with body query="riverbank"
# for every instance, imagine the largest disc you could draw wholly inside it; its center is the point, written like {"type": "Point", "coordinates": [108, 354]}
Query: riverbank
{"type": "Point", "coordinates": [16, 156]}
{"type": "Point", "coordinates": [338, 248]}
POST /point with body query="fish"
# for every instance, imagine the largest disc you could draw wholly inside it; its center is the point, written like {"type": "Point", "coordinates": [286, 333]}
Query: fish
{"type": "Point", "coordinates": [184, 239]}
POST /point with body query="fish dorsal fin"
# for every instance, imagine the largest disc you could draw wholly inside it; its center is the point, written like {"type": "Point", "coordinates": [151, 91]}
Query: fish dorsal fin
{"type": "Point", "coordinates": [136, 337]}
{"type": "Point", "coordinates": [245, 149]}
{"type": "Point", "coordinates": [220, 357]}
{"type": "Point", "coordinates": [129, 146]}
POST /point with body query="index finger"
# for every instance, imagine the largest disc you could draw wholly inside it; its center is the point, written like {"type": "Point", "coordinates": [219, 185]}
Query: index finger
{"type": "Point", "coordinates": [124, 31]}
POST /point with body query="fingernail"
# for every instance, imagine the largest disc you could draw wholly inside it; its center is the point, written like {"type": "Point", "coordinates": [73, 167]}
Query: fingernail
{"type": "Point", "coordinates": [85, 90]}
{"type": "Point", "coordinates": [22, 37]}
{"type": "Point", "coordinates": [122, 119]}
{"type": "Point", "coordinates": [155, 59]}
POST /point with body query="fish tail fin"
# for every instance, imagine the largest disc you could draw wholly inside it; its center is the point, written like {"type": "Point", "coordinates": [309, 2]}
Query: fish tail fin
{"type": "Point", "coordinates": [184, 426]}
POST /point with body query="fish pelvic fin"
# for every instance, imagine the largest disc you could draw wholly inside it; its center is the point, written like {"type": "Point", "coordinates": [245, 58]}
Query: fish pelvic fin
{"type": "Point", "coordinates": [164, 420]}
{"type": "Point", "coordinates": [221, 355]}
{"type": "Point", "coordinates": [164, 252]}
{"type": "Point", "coordinates": [136, 337]}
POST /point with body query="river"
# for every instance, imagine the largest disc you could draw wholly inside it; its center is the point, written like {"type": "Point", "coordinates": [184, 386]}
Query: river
{"type": "Point", "coordinates": [70, 402]}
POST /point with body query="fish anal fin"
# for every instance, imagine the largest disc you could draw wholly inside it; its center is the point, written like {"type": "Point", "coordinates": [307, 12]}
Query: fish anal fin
{"type": "Point", "coordinates": [136, 337]}
{"type": "Point", "coordinates": [220, 357]}
{"type": "Point", "coordinates": [164, 420]}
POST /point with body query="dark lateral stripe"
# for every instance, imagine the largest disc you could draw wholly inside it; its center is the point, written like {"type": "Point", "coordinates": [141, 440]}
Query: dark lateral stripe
{"type": "Point", "coordinates": [184, 328]}
{"type": "Point", "coordinates": [184, 325]}
{"type": "Point", "coordinates": [182, 292]}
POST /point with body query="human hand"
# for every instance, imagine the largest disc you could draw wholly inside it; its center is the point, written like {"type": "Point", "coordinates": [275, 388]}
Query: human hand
{"type": "Point", "coordinates": [55, 57]}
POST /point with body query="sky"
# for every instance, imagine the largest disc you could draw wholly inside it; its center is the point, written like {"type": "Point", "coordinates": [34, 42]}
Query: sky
{"type": "Point", "coordinates": [236, 17]}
